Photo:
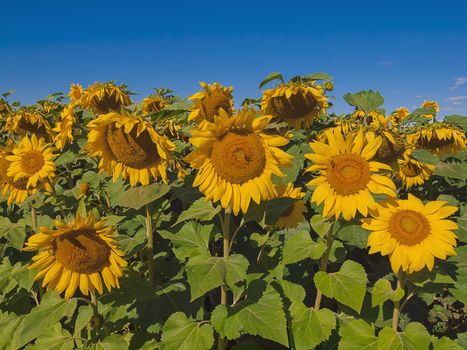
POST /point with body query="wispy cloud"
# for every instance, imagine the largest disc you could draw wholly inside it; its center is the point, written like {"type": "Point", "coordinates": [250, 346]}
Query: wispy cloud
{"type": "Point", "coordinates": [458, 82]}
{"type": "Point", "coordinates": [456, 98]}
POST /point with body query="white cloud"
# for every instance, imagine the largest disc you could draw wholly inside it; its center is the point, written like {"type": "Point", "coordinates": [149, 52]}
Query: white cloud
{"type": "Point", "coordinates": [458, 82]}
{"type": "Point", "coordinates": [457, 98]}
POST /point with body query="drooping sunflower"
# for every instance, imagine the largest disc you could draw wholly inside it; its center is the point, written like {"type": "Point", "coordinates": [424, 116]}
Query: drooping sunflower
{"type": "Point", "coordinates": [294, 214]}
{"type": "Point", "coordinates": [104, 98]}
{"type": "Point", "coordinates": [76, 91]}
{"type": "Point", "coordinates": [439, 139]}
{"type": "Point", "coordinates": [80, 253]}
{"type": "Point", "coordinates": [391, 149]}
{"type": "Point", "coordinates": [32, 158]}
{"type": "Point", "coordinates": [208, 102]}
{"type": "Point", "coordinates": [430, 104]}
{"type": "Point", "coordinates": [412, 233]}
{"type": "Point", "coordinates": [411, 171]}
{"type": "Point", "coordinates": [28, 120]}
{"type": "Point", "coordinates": [347, 175]}
{"type": "Point", "coordinates": [153, 104]}
{"type": "Point", "coordinates": [64, 128]}
{"type": "Point", "coordinates": [295, 103]}
{"type": "Point", "coordinates": [235, 159]}
{"type": "Point", "coordinates": [129, 146]}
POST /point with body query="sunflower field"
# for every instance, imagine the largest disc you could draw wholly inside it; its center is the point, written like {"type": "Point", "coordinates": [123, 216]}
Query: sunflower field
{"type": "Point", "coordinates": [195, 224]}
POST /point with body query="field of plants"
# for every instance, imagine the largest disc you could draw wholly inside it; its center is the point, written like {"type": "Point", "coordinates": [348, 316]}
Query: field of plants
{"type": "Point", "coordinates": [195, 224]}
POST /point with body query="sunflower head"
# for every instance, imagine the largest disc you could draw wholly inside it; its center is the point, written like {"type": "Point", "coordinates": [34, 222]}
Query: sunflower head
{"type": "Point", "coordinates": [33, 159]}
{"type": "Point", "coordinates": [411, 171]}
{"type": "Point", "coordinates": [208, 102]}
{"type": "Point", "coordinates": [5, 107]}
{"type": "Point", "coordinates": [295, 103]}
{"type": "Point", "coordinates": [430, 104]}
{"type": "Point", "coordinates": [80, 253]}
{"type": "Point", "coordinates": [64, 127]}
{"type": "Point", "coordinates": [392, 147]}
{"type": "Point", "coordinates": [28, 120]}
{"type": "Point", "coordinates": [50, 106]}
{"type": "Point", "coordinates": [347, 176]}
{"type": "Point", "coordinates": [235, 159]}
{"type": "Point", "coordinates": [76, 91]}
{"type": "Point", "coordinates": [294, 214]}
{"type": "Point", "coordinates": [439, 139]}
{"type": "Point", "coordinates": [103, 98]}
{"type": "Point", "coordinates": [398, 116]}
{"type": "Point", "coordinates": [129, 146]}
{"type": "Point", "coordinates": [153, 104]}
{"type": "Point", "coordinates": [412, 233]}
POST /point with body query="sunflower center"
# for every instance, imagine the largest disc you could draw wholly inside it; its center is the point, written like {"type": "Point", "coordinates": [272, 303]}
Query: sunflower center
{"type": "Point", "coordinates": [81, 251]}
{"type": "Point", "coordinates": [294, 107]}
{"type": "Point", "coordinates": [32, 162]}
{"type": "Point", "coordinates": [134, 151]}
{"type": "Point", "coordinates": [348, 173]}
{"type": "Point", "coordinates": [19, 184]}
{"type": "Point", "coordinates": [106, 103]}
{"type": "Point", "coordinates": [36, 128]}
{"type": "Point", "coordinates": [409, 227]}
{"type": "Point", "coordinates": [411, 170]}
{"type": "Point", "coordinates": [435, 143]}
{"type": "Point", "coordinates": [238, 157]}
{"type": "Point", "coordinates": [215, 101]}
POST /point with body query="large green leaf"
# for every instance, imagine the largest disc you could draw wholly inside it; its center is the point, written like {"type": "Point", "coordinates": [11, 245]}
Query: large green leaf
{"type": "Point", "coordinates": [445, 343]}
{"type": "Point", "coordinates": [348, 285]}
{"type": "Point", "coordinates": [310, 327]}
{"type": "Point", "coordinates": [54, 339]}
{"type": "Point", "coordinates": [318, 76]}
{"type": "Point", "coordinates": [459, 120]}
{"type": "Point", "coordinates": [460, 288]}
{"type": "Point", "coordinates": [264, 317]}
{"type": "Point", "coordinates": [200, 210]}
{"type": "Point", "coordinates": [271, 76]}
{"type": "Point", "coordinates": [138, 197]}
{"type": "Point", "coordinates": [112, 342]}
{"type": "Point", "coordinates": [367, 101]}
{"type": "Point", "coordinates": [414, 337]}
{"type": "Point", "coordinates": [179, 333]}
{"type": "Point", "coordinates": [300, 246]}
{"type": "Point", "coordinates": [353, 235]}
{"type": "Point", "coordinates": [382, 291]}
{"type": "Point", "coordinates": [357, 335]}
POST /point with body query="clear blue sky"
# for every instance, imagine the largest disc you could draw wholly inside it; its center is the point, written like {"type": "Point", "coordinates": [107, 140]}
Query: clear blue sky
{"type": "Point", "coordinates": [408, 50]}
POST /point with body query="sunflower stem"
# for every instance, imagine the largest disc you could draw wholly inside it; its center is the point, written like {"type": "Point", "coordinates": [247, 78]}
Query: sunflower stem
{"type": "Point", "coordinates": [34, 219]}
{"type": "Point", "coordinates": [94, 303]}
{"type": "Point", "coordinates": [222, 342]}
{"type": "Point", "coordinates": [150, 245]}
{"type": "Point", "coordinates": [324, 264]}
{"type": "Point", "coordinates": [397, 304]}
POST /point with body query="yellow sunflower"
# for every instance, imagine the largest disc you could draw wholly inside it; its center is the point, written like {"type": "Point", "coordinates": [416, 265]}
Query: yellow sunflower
{"type": "Point", "coordinates": [294, 214]}
{"type": "Point", "coordinates": [430, 104]}
{"type": "Point", "coordinates": [439, 139]}
{"type": "Point", "coordinates": [32, 158]}
{"type": "Point", "coordinates": [4, 107]}
{"type": "Point", "coordinates": [76, 91]}
{"type": "Point", "coordinates": [129, 146]}
{"type": "Point", "coordinates": [412, 233]}
{"type": "Point", "coordinates": [28, 120]}
{"type": "Point", "coordinates": [77, 254]}
{"type": "Point", "coordinates": [153, 104]}
{"type": "Point", "coordinates": [208, 102]}
{"type": "Point", "coordinates": [391, 149]}
{"type": "Point", "coordinates": [235, 159]}
{"type": "Point", "coordinates": [296, 104]}
{"type": "Point", "coordinates": [50, 106]}
{"type": "Point", "coordinates": [347, 176]}
{"type": "Point", "coordinates": [374, 118]}
{"type": "Point", "coordinates": [64, 128]}
{"type": "Point", "coordinates": [398, 116]}
{"type": "Point", "coordinates": [104, 98]}
{"type": "Point", "coordinates": [411, 171]}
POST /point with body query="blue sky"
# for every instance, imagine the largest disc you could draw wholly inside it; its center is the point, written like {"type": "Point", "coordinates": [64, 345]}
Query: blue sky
{"type": "Point", "coordinates": [408, 50]}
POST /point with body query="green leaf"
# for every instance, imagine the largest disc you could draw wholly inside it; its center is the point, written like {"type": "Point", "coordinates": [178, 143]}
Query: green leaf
{"type": "Point", "coordinates": [310, 327]}
{"type": "Point", "coordinates": [353, 235]}
{"type": "Point", "coordinates": [414, 337]}
{"type": "Point", "coordinates": [191, 239]}
{"type": "Point", "coordinates": [271, 76]}
{"type": "Point", "coordinates": [179, 333]}
{"type": "Point", "coordinates": [54, 339]}
{"type": "Point", "coordinates": [357, 335]}
{"type": "Point", "coordinates": [347, 286]}
{"type": "Point", "coordinates": [320, 225]}
{"type": "Point", "coordinates": [137, 197]}
{"type": "Point", "coordinates": [294, 292]}
{"type": "Point", "coordinates": [300, 246]}
{"type": "Point", "coordinates": [318, 76]}
{"type": "Point", "coordinates": [426, 157]}
{"type": "Point", "coordinates": [275, 207]}
{"type": "Point", "coordinates": [454, 170]}
{"type": "Point", "coordinates": [237, 266]}
{"type": "Point", "coordinates": [383, 291]}
{"type": "Point", "coordinates": [200, 210]}
{"type": "Point", "coordinates": [459, 120]}
{"type": "Point", "coordinates": [445, 343]}
{"type": "Point", "coordinates": [418, 116]}
{"type": "Point", "coordinates": [460, 289]}
{"type": "Point", "coordinates": [264, 317]}
{"type": "Point", "coordinates": [367, 101]}
{"type": "Point", "coordinates": [112, 342]}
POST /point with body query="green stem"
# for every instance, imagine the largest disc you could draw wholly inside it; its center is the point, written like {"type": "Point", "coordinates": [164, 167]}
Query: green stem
{"type": "Point", "coordinates": [324, 265]}
{"type": "Point", "coordinates": [397, 304]}
{"type": "Point", "coordinates": [222, 342]}
{"type": "Point", "coordinates": [34, 219]}
{"type": "Point", "coordinates": [150, 245]}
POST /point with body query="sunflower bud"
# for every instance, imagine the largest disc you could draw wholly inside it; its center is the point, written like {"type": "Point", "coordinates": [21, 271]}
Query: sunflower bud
{"type": "Point", "coordinates": [328, 86]}
{"type": "Point", "coordinates": [83, 189]}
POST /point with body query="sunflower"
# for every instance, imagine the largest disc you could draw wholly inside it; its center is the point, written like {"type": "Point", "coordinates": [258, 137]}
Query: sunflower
{"type": "Point", "coordinates": [296, 104]}
{"type": "Point", "coordinates": [32, 158]}
{"type": "Point", "coordinates": [103, 98]}
{"type": "Point", "coordinates": [374, 118]}
{"type": "Point", "coordinates": [76, 91]}
{"type": "Point", "coordinates": [130, 147]}
{"type": "Point", "coordinates": [4, 107]}
{"type": "Point", "coordinates": [398, 116]}
{"type": "Point", "coordinates": [50, 106]}
{"type": "Point", "coordinates": [430, 104]}
{"type": "Point", "coordinates": [208, 102]}
{"type": "Point", "coordinates": [391, 149]}
{"type": "Point", "coordinates": [28, 120]}
{"type": "Point", "coordinates": [411, 171]}
{"type": "Point", "coordinates": [153, 104]}
{"type": "Point", "coordinates": [77, 254]}
{"type": "Point", "coordinates": [16, 189]}
{"type": "Point", "coordinates": [439, 139]}
{"type": "Point", "coordinates": [412, 233]}
{"type": "Point", "coordinates": [64, 128]}
{"type": "Point", "coordinates": [347, 178]}
{"type": "Point", "coordinates": [236, 160]}
{"type": "Point", "coordinates": [293, 215]}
